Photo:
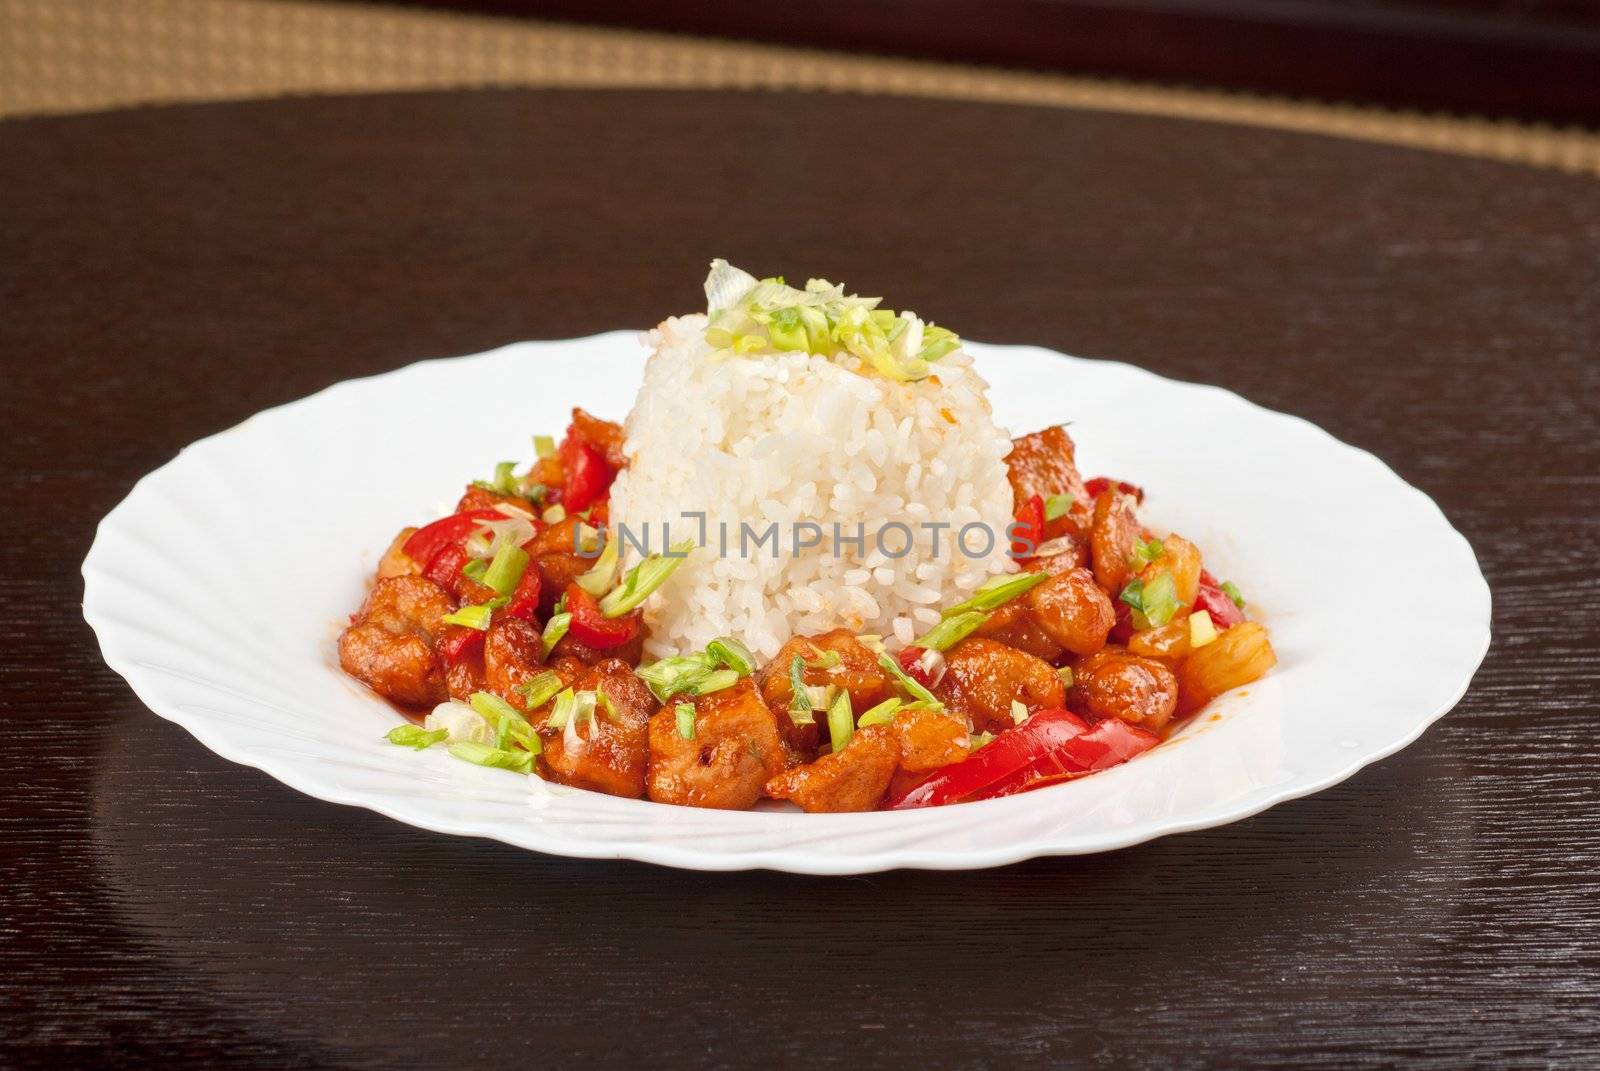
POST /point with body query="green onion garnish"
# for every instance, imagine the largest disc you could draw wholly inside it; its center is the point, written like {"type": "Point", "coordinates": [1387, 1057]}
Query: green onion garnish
{"type": "Point", "coordinates": [1065, 673]}
{"type": "Point", "coordinates": [716, 681]}
{"type": "Point", "coordinates": [506, 569]}
{"type": "Point", "coordinates": [981, 740]}
{"type": "Point", "coordinates": [1144, 553]}
{"type": "Point", "coordinates": [882, 714]}
{"type": "Point", "coordinates": [474, 569]}
{"type": "Point", "coordinates": [1019, 712]}
{"type": "Point", "coordinates": [684, 712]}
{"type": "Point", "coordinates": [801, 700]}
{"type": "Point", "coordinates": [1231, 590]}
{"type": "Point", "coordinates": [643, 579]}
{"type": "Point", "coordinates": [733, 654]}
{"type": "Point", "coordinates": [668, 677]}
{"type": "Point", "coordinates": [952, 630]}
{"type": "Point", "coordinates": [539, 689]}
{"type": "Point", "coordinates": [544, 446]}
{"type": "Point", "coordinates": [998, 591]}
{"type": "Point", "coordinates": [916, 690]}
{"type": "Point", "coordinates": [607, 706]}
{"type": "Point", "coordinates": [471, 617]}
{"type": "Point", "coordinates": [483, 755]}
{"type": "Point", "coordinates": [841, 721]}
{"type": "Point", "coordinates": [1159, 599]}
{"type": "Point", "coordinates": [555, 514]}
{"type": "Point", "coordinates": [554, 629]}
{"type": "Point", "coordinates": [561, 713]}
{"type": "Point", "coordinates": [598, 580]}
{"type": "Point", "coordinates": [825, 660]}
{"type": "Point", "coordinates": [415, 736]}
{"type": "Point", "coordinates": [1057, 506]}
{"type": "Point", "coordinates": [506, 720]}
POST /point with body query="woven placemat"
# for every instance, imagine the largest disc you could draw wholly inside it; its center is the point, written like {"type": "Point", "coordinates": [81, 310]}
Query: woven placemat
{"type": "Point", "coordinates": [87, 55]}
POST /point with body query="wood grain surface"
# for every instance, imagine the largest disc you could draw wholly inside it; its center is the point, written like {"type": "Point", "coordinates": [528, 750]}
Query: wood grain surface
{"type": "Point", "coordinates": [166, 273]}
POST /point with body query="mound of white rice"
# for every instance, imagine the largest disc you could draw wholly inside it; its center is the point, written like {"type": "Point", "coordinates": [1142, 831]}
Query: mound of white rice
{"type": "Point", "coordinates": [788, 438]}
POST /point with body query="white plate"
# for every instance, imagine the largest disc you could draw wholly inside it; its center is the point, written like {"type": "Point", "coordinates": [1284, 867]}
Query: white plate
{"type": "Point", "coordinates": [218, 585]}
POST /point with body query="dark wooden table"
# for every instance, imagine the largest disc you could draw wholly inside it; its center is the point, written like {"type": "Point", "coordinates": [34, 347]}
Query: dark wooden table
{"type": "Point", "coordinates": [164, 273]}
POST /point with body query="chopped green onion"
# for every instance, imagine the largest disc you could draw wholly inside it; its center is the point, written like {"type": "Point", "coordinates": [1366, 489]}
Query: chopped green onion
{"type": "Point", "coordinates": [555, 514]}
{"type": "Point", "coordinates": [504, 481]}
{"type": "Point", "coordinates": [475, 569]}
{"type": "Point", "coordinates": [1202, 630]}
{"type": "Point", "coordinates": [535, 491]}
{"type": "Point", "coordinates": [1065, 673]}
{"type": "Point", "coordinates": [506, 720]}
{"type": "Point", "coordinates": [825, 660]}
{"type": "Point", "coordinates": [952, 630]}
{"type": "Point", "coordinates": [733, 654]}
{"type": "Point", "coordinates": [882, 714]}
{"type": "Point", "coordinates": [981, 740]}
{"type": "Point", "coordinates": [1231, 590]}
{"type": "Point", "coordinates": [554, 630]}
{"type": "Point", "coordinates": [841, 721]}
{"type": "Point", "coordinates": [598, 580]}
{"type": "Point", "coordinates": [606, 705]}
{"type": "Point", "coordinates": [471, 617]}
{"type": "Point", "coordinates": [684, 712]}
{"type": "Point", "coordinates": [539, 689]}
{"type": "Point", "coordinates": [1057, 506]}
{"type": "Point", "coordinates": [1159, 599]}
{"type": "Point", "coordinates": [998, 591]}
{"type": "Point", "coordinates": [415, 736]}
{"type": "Point", "coordinates": [643, 579]}
{"type": "Point", "coordinates": [544, 446]}
{"type": "Point", "coordinates": [1019, 712]}
{"type": "Point", "coordinates": [715, 681]}
{"type": "Point", "coordinates": [506, 569]}
{"type": "Point", "coordinates": [561, 713]}
{"type": "Point", "coordinates": [916, 690]}
{"type": "Point", "coordinates": [1144, 553]}
{"type": "Point", "coordinates": [668, 677]}
{"type": "Point", "coordinates": [801, 700]}
{"type": "Point", "coordinates": [483, 755]}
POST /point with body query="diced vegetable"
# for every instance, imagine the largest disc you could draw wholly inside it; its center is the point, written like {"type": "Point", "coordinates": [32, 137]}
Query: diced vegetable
{"type": "Point", "coordinates": [1057, 506]}
{"type": "Point", "coordinates": [483, 755]}
{"type": "Point", "coordinates": [733, 654]}
{"type": "Point", "coordinates": [555, 630]}
{"type": "Point", "coordinates": [474, 617]}
{"type": "Point", "coordinates": [415, 736]}
{"type": "Point", "coordinates": [539, 689]}
{"type": "Point", "coordinates": [684, 713]}
{"type": "Point", "coordinates": [643, 579]}
{"type": "Point", "coordinates": [1231, 590]}
{"type": "Point", "coordinates": [592, 626]}
{"type": "Point", "coordinates": [1201, 630]}
{"type": "Point", "coordinates": [841, 721]}
{"type": "Point", "coordinates": [544, 446]}
{"type": "Point", "coordinates": [429, 540]}
{"type": "Point", "coordinates": [952, 630]}
{"type": "Point", "coordinates": [506, 569]}
{"type": "Point", "coordinates": [882, 714]}
{"type": "Point", "coordinates": [587, 474]}
{"type": "Point", "coordinates": [599, 579]}
{"type": "Point", "coordinates": [996, 592]}
{"type": "Point", "coordinates": [913, 688]}
{"type": "Point", "coordinates": [1027, 533]}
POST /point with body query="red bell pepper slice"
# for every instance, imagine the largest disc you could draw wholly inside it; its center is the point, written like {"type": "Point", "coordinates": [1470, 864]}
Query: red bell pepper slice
{"type": "Point", "coordinates": [1011, 751]}
{"type": "Point", "coordinates": [458, 643]}
{"type": "Point", "coordinates": [445, 568]}
{"type": "Point", "coordinates": [1109, 743]}
{"type": "Point", "coordinates": [910, 659]}
{"type": "Point", "coordinates": [1101, 484]}
{"type": "Point", "coordinates": [1028, 533]}
{"type": "Point", "coordinates": [593, 629]}
{"type": "Point", "coordinates": [1214, 601]}
{"type": "Point", "coordinates": [525, 599]}
{"type": "Point", "coordinates": [426, 542]}
{"type": "Point", "coordinates": [587, 475]}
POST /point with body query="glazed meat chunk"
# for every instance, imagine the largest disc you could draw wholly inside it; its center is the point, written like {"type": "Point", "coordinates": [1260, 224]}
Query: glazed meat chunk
{"type": "Point", "coordinates": [389, 644]}
{"type": "Point", "coordinates": [982, 678]}
{"type": "Point", "coordinates": [854, 779]}
{"type": "Point", "coordinates": [1113, 683]}
{"type": "Point", "coordinates": [733, 751]}
{"type": "Point", "coordinates": [1073, 610]}
{"type": "Point", "coordinates": [833, 658]}
{"type": "Point", "coordinates": [1044, 464]}
{"type": "Point", "coordinates": [611, 753]}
